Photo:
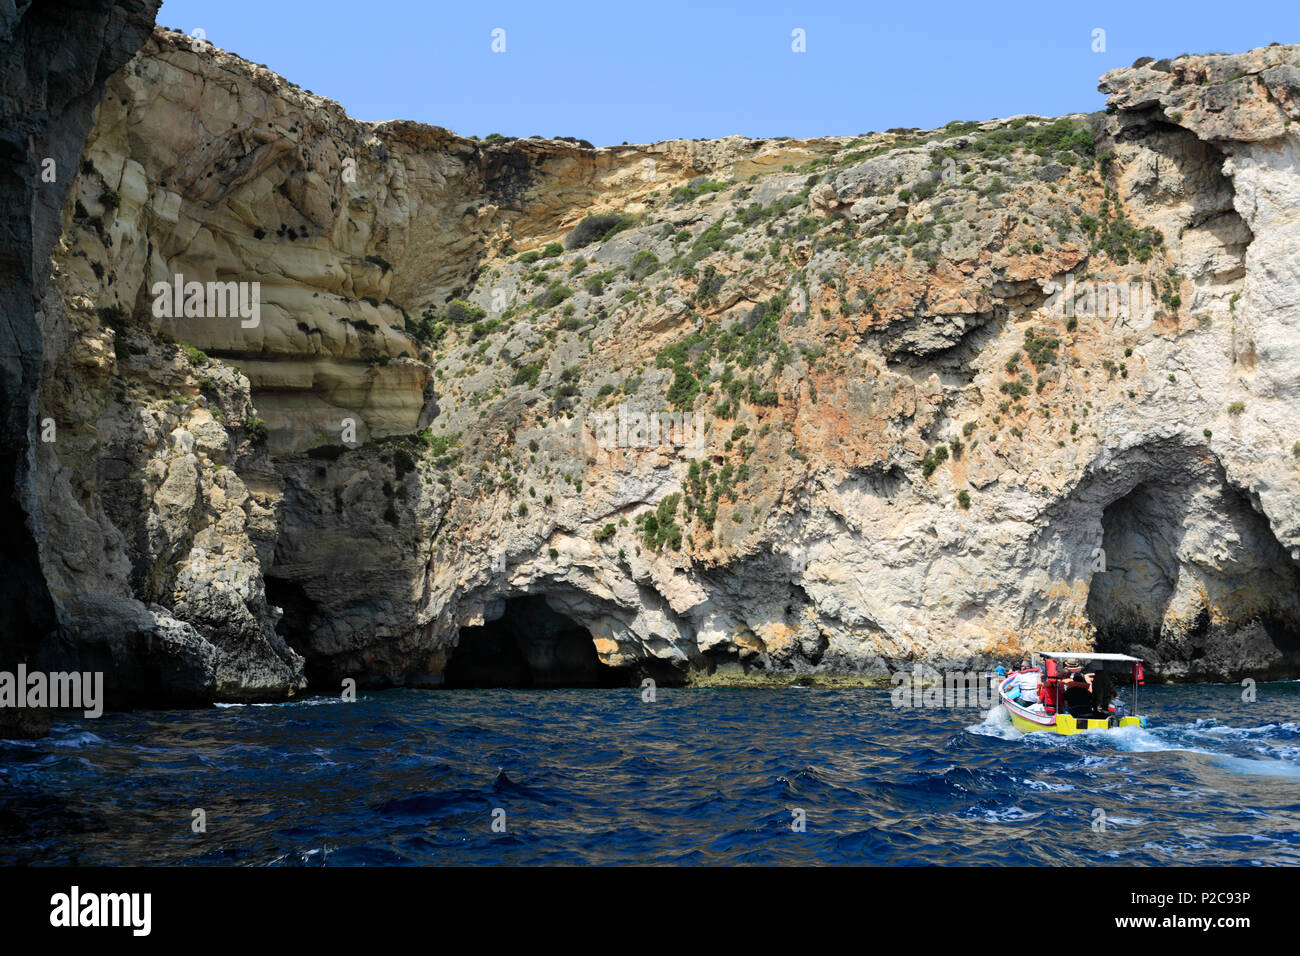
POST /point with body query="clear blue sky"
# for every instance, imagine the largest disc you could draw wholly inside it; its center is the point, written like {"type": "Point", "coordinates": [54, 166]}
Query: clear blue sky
{"type": "Point", "coordinates": [628, 70]}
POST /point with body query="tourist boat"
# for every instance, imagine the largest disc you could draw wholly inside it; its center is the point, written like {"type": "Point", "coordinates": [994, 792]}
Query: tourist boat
{"type": "Point", "coordinates": [1050, 713]}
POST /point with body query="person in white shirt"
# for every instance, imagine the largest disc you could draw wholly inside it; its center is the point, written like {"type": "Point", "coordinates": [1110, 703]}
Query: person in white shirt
{"type": "Point", "coordinates": [1026, 686]}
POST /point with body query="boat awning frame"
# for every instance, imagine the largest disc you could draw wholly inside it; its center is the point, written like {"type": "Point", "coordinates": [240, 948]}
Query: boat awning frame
{"type": "Point", "coordinates": [1075, 655]}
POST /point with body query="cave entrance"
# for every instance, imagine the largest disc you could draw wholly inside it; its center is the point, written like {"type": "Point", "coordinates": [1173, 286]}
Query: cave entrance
{"type": "Point", "coordinates": [298, 623]}
{"type": "Point", "coordinates": [1196, 582]}
{"type": "Point", "coordinates": [529, 645]}
{"type": "Point", "coordinates": [1140, 537]}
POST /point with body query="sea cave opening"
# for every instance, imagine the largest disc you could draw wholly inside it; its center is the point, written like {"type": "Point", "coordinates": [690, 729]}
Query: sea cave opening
{"type": "Point", "coordinates": [1195, 578]}
{"type": "Point", "coordinates": [1139, 572]}
{"type": "Point", "coordinates": [529, 645]}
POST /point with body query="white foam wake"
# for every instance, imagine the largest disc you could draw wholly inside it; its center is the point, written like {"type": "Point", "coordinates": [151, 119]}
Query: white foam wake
{"type": "Point", "coordinates": [996, 723]}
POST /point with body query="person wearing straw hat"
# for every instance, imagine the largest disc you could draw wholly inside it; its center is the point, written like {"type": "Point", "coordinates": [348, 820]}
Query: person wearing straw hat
{"type": "Point", "coordinates": [1073, 668]}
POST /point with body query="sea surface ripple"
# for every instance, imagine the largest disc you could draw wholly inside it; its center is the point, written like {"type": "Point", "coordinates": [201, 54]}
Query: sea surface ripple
{"type": "Point", "coordinates": [695, 777]}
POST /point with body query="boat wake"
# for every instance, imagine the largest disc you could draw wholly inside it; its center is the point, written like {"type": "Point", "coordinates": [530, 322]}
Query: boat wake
{"type": "Point", "coordinates": [997, 723]}
{"type": "Point", "coordinates": [1271, 750]}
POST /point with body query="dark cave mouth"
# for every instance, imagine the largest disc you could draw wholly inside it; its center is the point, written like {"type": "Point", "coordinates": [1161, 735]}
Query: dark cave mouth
{"type": "Point", "coordinates": [529, 645]}
{"type": "Point", "coordinates": [1127, 603]}
{"type": "Point", "coordinates": [296, 626]}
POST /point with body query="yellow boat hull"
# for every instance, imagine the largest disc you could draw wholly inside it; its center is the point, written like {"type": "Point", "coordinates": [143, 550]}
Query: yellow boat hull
{"type": "Point", "coordinates": [1065, 724]}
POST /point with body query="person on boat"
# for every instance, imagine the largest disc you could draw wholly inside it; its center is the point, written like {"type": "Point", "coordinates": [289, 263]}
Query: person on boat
{"type": "Point", "coordinates": [1025, 688]}
{"type": "Point", "coordinates": [1116, 705]}
{"type": "Point", "coordinates": [1047, 685]}
{"type": "Point", "coordinates": [1078, 698]}
{"type": "Point", "coordinates": [1000, 671]}
{"type": "Point", "coordinates": [1073, 668]}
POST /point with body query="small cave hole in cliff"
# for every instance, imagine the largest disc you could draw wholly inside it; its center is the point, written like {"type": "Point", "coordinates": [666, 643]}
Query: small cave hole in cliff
{"type": "Point", "coordinates": [529, 645]}
{"type": "Point", "coordinates": [300, 618]}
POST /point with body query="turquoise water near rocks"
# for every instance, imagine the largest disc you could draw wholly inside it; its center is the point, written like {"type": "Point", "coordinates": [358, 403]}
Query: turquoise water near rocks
{"type": "Point", "coordinates": [696, 777]}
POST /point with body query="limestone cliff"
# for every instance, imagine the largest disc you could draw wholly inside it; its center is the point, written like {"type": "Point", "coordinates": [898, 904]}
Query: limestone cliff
{"type": "Point", "coordinates": [54, 60]}
{"type": "Point", "coordinates": [942, 394]}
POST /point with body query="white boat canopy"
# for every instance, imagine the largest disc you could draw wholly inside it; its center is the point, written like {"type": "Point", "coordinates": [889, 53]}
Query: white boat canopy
{"type": "Point", "coordinates": [1075, 655]}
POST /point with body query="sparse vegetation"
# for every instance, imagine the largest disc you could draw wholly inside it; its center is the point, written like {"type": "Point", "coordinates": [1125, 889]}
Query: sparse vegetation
{"type": "Point", "coordinates": [1041, 351]}
{"type": "Point", "coordinates": [1119, 239]}
{"type": "Point", "coordinates": [697, 187]}
{"type": "Point", "coordinates": [114, 316]}
{"type": "Point", "coordinates": [933, 460]}
{"type": "Point", "coordinates": [528, 374]}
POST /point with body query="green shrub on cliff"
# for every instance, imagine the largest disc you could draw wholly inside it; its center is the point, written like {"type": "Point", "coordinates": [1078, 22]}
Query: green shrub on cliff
{"type": "Point", "coordinates": [1058, 137]}
{"type": "Point", "coordinates": [555, 293]}
{"type": "Point", "coordinates": [1041, 351]}
{"type": "Point", "coordinates": [1121, 240]}
{"type": "Point", "coordinates": [528, 374]}
{"type": "Point", "coordinates": [1016, 388]}
{"type": "Point", "coordinates": [460, 312]}
{"type": "Point", "coordinates": [597, 228]}
{"type": "Point", "coordinates": [696, 188]}
{"type": "Point", "coordinates": [933, 460]}
{"type": "Point", "coordinates": [644, 264]}
{"type": "Point", "coordinates": [437, 444]}
{"type": "Point", "coordinates": [684, 389]}
{"type": "Point", "coordinates": [114, 316]}
{"type": "Point", "coordinates": [660, 526]}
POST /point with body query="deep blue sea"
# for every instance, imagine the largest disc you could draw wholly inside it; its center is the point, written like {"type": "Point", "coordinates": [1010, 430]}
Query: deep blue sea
{"type": "Point", "coordinates": [697, 777]}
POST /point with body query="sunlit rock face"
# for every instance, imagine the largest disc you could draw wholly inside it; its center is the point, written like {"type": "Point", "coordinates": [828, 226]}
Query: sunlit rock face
{"type": "Point", "coordinates": [787, 407]}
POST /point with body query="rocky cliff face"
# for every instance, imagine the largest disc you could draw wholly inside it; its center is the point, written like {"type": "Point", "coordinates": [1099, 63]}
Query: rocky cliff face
{"type": "Point", "coordinates": [772, 407]}
{"type": "Point", "coordinates": [54, 60]}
